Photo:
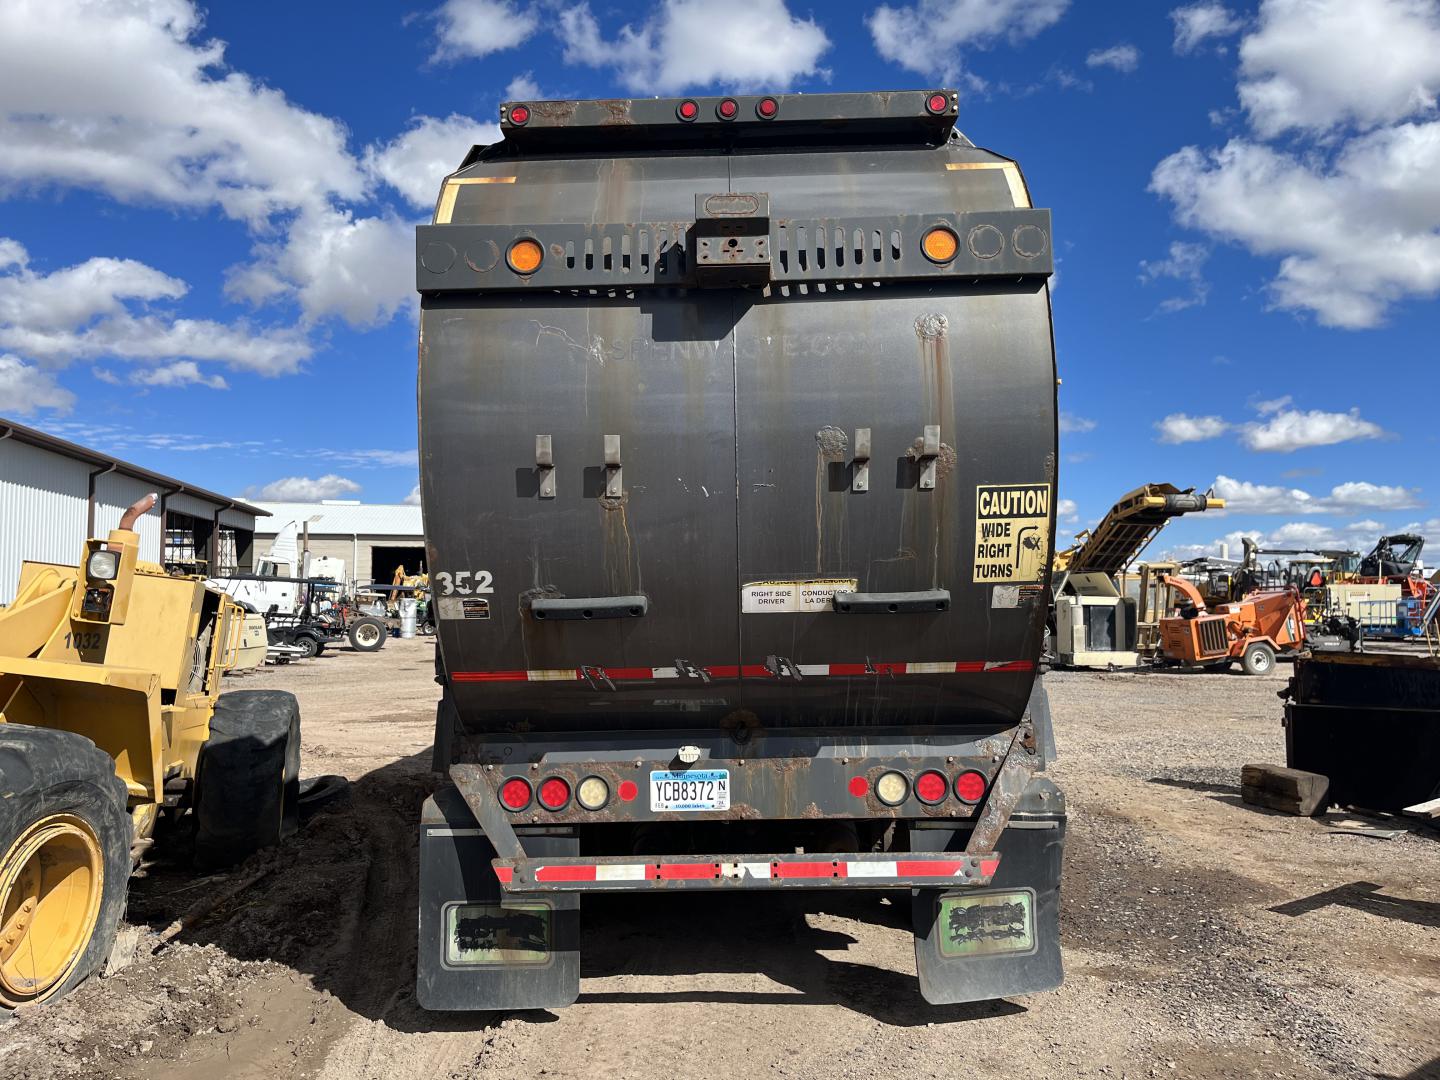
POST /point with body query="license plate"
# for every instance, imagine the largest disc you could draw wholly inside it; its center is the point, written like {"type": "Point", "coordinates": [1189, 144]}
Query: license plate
{"type": "Point", "coordinates": [694, 789]}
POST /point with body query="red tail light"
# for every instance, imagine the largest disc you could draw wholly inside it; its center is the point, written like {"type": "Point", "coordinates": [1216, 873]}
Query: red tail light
{"type": "Point", "coordinates": [859, 786]}
{"type": "Point", "coordinates": [937, 103]}
{"type": "Point", "coordinates": [727, 109]}
{"type": "Point", "coordinates": [970, 787]}
{"type": "Point", "coordinates": [554, 793]}
{"type": "Point", "coordinates": [627, 790]}
{"type": "Point", "coordinates": [519, 115]}
{"type": "Point", "coordinates": [931, 788]}
{"type": "Point", "coordinates": [515, 794]}
{"type": "Point", "coordinates": [766, 108]}
{"type": "Point", "coordinates": [687, 110]}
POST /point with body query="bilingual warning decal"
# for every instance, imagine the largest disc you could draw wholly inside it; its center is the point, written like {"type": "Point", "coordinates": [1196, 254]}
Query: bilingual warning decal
{"type": "Point", "coordinates": [1012, 526]}
{"type": "Point", "coordinates": [782, 597]}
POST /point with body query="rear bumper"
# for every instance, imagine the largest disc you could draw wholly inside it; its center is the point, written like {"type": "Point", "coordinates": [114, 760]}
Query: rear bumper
{"type": "Point", "coordinates": [701, 872]}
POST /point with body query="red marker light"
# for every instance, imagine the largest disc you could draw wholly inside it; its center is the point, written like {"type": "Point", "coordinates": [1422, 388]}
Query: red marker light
{"type": "Point", "coordinates": [937, 103]}
{"type": "Point", "coordinates": [515, 794]}
{"type": "Point", "coordinates": [687, 110]}
{"type": "Point", "coordinates": [627, 791]}
{"type": "Point", "coordinates": [554, 793]}
{"type": "Point", "coordinates": [519, 115]}
{"type": "Point", "coordinates": [931, 788]}
{"type": "Point", "coordinates": [859, 786]}
{"type": "Point", "coordinates": [766, 108]}
{"type": "Point", "coordinates": [727, 109]}
{"type": "Point", "coordinates": [970, 787]}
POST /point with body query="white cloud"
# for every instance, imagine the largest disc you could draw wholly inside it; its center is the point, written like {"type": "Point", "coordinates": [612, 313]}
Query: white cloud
{"type": "Point", "coordinates": [1067, 511]}
{"type": "Point", "coordinates": [476, 28]}
{"type": "Point", "coordinates": [1246, 497]}
{"type": "Point", "coordinates": [522, 87]}
{"type": "Point", "coordinates": [1291, 429]}
{"type": "Point", "coordinates": [101, 308]}
{"type": "Point", "coordinates": [1197, 23]}
{"type": "Point", "coordinates": [927, 36]}
{"type": "Point", "coordinates": [1313, 64]}
{"type": "Point", "coordinates": [1070, 424]}
{"type": "Point", "coordinates": [179, 373]}
{"type": "Point", "coordinates": [1272, 405]}
{"type": "Point", "coordinates": [25, 388]}
{"type": "Point", "coordinates": [1121, 57]}
{"type": "Point", "coordinates": [414, 162]}
{"type": "Point", "coordinates": [413, 499]}
{"type": "Point", "coordinates": [305, 489]}
{"type": "Point", "coordinates": [1183, 428]}
{"type": "Point", "coordinates": [1184, 263]}
{"type": "Point", "coordinates": [1311, 536]}
{"type": "Point", "coordinates": [384, 459]}
{"type": "Point", "coordinates": [753, 44]}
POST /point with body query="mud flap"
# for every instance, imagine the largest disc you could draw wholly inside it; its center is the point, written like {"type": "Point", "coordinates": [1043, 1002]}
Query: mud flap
{"type": "Point", "coordinates": [473, 953]}
{"type": "Point", "coordinates": [982, 944]}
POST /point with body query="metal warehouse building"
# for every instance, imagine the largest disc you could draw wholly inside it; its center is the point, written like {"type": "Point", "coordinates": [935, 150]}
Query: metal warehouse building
{"type": "Point", "coordinates": [54, 494]}
{"type": "Point", "coordinates": [372, 539]}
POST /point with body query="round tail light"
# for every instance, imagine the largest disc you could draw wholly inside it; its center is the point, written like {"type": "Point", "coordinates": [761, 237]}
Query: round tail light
{"type": "Point", "coordinates": [970, 787]}
{"type": "Point", "coordinates": [519, 115]}
{"type": "Point", "coordinates": [554, 793]}
{"type": "Point", "coordinates": [931, 788]}
{"type": "Point", "coordinates": [593, 793]}
{"type": "Point", "coordinates": [892, 788]}
{"type": "Point", "coordinates": [515, 794]}
{"type": "Point", "coordinates": [525, 256]}
{"type": "Point", "coordinates": [766, 108]}
{"type": "Point", "coordinates": [728, 109]}
{"type": "Point", "coordinates": [937, 103]}
{"type": "Point", "coordinates": [940, 244]}
{"type": "Point", "coordinates": [687, 110]}
{"type": "Point", "coordinates": [628, 790]}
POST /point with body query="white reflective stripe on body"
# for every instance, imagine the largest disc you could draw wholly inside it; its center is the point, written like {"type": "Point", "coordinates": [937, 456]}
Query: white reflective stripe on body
{"type": "Point", "coordinates": [664, 673]}
{"type": "Point", "coordinates": [813, 669]}
{"type": "Point", "coordinates": [604, 872]}
{"type": "Point", "coordinates": [871, 869]}
{"type": "Point", "coordinates": [930, 667]}
{"type": "Point", "coordinates": [745, 869]}
{"type": "Point", "coordinates": [552, 675]}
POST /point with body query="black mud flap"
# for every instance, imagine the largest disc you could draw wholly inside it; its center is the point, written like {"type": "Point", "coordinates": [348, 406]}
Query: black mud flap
{"type": "Point", "coordinates": [1003, 940]}
{"type": "Point", "coordinates": [475, 954]}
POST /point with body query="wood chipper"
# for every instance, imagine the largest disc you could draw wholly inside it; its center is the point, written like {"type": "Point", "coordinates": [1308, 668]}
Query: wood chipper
{"type": "Point", "coordinates": [112, 714]}
{"type": "Point", "coordinates": [1252, 630]}
{"type": "Point", "coordinates": [738, 459]}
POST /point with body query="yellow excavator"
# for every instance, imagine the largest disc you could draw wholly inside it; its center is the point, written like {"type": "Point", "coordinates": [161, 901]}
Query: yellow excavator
{"type": "Point", "coordinates": [110, 715]}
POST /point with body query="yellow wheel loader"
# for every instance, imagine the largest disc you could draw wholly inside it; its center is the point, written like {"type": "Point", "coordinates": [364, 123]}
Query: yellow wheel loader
{"type": "Point", "coordinates": [112, 714]}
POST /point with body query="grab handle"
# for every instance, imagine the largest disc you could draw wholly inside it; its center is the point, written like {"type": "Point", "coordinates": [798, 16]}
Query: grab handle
{"type": "Point", "coordinates": [892, 603]}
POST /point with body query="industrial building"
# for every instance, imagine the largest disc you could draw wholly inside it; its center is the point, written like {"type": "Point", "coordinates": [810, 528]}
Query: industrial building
{"type": "Point", "coordinates": [372, 539]}
{"type": "Point", "coordinates": [54, 494]}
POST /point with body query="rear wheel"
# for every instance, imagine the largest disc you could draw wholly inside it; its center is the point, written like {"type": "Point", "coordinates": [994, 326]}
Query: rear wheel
{"type": "Point", "coordinates": [367, 635]}
{"type": "Point", "coordinates": [308, 646]}
{"type": "Point", "coordinates": [1259, 659]}
{"type": "Point", "coordinates": [65, 837]}
{"type": "Point", "coordinates": [247, 791]}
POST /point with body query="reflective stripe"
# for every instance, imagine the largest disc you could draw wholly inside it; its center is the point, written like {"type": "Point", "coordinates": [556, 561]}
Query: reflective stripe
{"type": "Point", "coordinates": [611, 872]}
{"type": "Point", "coordinates": [751, 671]}
{"type": "Point", "coordinates": [871, 869]}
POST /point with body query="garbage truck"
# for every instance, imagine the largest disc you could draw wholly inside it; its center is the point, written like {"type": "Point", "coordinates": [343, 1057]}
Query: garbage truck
{"type": "Point", "coordinates": [738, 462]}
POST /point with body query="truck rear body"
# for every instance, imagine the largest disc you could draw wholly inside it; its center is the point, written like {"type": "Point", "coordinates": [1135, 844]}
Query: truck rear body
{"type": "Point", "coordinates": [738, 464]}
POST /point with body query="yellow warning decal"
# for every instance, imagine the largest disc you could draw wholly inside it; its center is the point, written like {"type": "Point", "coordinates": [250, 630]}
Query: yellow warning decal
{"type": "Point", "coordinates": [1012, 530]}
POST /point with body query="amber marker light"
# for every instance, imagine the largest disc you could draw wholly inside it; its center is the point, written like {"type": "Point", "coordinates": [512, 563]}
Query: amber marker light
{"type": "Point", "coordinates": [940, 245]}
{"type": "Point", "coordinates": [525, 256]}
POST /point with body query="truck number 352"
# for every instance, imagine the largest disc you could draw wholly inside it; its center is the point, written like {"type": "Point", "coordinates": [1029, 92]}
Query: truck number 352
{"type": "Point", "coordinates": [458, 582]}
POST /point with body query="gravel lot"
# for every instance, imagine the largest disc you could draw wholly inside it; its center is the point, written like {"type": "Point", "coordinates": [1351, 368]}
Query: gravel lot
{"type": "Point", "coordinates": [1203, 938]}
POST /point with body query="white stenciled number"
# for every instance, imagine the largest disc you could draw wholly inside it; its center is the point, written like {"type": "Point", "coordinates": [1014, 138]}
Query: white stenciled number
{"type": "Point", "coordinates": [458, 582]}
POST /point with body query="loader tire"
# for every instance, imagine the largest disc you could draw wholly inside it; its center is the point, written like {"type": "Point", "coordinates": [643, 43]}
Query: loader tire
{"type": "Point", "coordinates": [65, 870]}
{"type": "Point", "coordinates": [247, 786]}
{"type": "Point", "coordinates": [1259, 659]}
{"type": "Point", "coordinates": [368, 635]}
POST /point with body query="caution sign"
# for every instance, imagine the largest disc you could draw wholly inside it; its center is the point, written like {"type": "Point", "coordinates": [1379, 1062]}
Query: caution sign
{"type": "Point", "coordinates": [1012, 529]}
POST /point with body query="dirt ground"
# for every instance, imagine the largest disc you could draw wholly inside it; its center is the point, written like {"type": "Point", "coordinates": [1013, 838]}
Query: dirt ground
{"type": "Point", "coordinates": [1203, 938]}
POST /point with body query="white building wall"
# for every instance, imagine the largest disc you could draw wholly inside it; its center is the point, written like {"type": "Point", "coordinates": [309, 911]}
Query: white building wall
{"type": "Point", "coordinates": [42, 510]}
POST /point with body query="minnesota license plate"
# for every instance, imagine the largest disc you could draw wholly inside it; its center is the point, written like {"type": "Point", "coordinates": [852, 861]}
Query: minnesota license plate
{"type": "Point", "coordinates": [694, 789]}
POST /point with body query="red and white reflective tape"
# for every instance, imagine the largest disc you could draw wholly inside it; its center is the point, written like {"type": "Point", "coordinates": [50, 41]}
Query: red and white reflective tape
{"type": "Point", "coordinates": [759, 871]}
{"type": "Point", "coordinates": [748, 671]}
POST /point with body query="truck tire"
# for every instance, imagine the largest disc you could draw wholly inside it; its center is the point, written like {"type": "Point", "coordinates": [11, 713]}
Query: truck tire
{"type": "Point", "coordinates": [1259, 659]}
{"type": "Point", "coordinates": [368, 635]}
{"type": "Point", "coordinates": [65, 834]}
{"type": "Point", "coordinates": [247, 787]}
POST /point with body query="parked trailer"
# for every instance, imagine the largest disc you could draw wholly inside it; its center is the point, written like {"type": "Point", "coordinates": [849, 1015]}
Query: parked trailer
{"type": "Point", "coordinates": [738, 445]}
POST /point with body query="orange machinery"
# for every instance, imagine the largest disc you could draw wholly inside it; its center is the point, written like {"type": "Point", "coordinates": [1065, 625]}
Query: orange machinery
{"type": "Point", "coordinates": [1251, 630]}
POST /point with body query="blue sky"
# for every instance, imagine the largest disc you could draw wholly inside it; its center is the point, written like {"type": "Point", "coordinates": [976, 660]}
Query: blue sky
{"type": "Point", "coordinates": [206, 215]}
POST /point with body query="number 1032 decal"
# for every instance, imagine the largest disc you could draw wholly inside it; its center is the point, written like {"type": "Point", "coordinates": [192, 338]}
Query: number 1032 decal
{"type": "Point", "coordinates": [463, 582]}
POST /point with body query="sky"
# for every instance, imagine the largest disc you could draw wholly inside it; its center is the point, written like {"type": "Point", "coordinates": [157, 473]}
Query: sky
{"type": "Point", "coordinates": [207, 214]}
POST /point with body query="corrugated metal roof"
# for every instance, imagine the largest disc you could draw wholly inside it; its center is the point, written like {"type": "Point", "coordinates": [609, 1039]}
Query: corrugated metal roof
{"type": "Point", "coordinates": [345, 518]}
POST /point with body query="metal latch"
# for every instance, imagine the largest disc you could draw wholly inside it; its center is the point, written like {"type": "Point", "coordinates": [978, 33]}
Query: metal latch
{"type": "Point", "coordinates": [929, 453]}
{"type": "Point", "coordinates": [545, 465]}
{"type": "Point", "coordinates": [613, 487]}
{"type": "Point", "coordinates": [860, 474]}
{"type": "Point", "coordinates": [731, 238]}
